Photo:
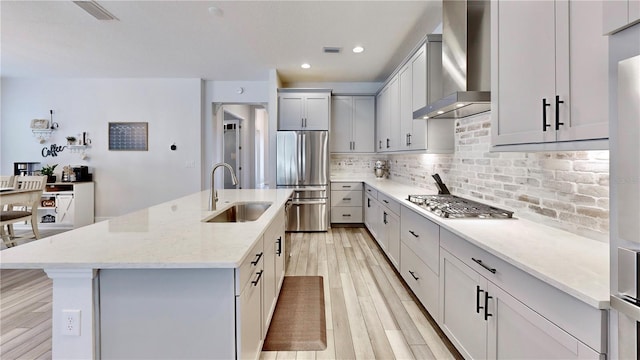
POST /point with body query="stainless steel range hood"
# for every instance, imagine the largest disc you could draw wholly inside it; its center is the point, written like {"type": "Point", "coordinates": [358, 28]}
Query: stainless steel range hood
{"type": "Point", "coordinates": [466, 61]}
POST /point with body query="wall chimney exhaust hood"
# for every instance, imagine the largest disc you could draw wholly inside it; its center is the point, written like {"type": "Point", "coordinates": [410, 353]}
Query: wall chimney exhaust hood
{"type": "Point", "coordinates": [466, 61]}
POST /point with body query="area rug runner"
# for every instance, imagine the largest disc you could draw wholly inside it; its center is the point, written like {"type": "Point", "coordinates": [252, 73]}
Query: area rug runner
{"type": "Point", "coordinates": [298, 323]}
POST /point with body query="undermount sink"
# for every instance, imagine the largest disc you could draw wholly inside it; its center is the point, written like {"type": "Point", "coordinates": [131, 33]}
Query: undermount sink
{"type": "Point", "coordinates": [241, 212]}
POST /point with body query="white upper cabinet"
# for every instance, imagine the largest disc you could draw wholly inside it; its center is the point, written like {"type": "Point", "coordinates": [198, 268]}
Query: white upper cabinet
{"type": "Point", "coordinates": [352, 124]}
{"type": "Point", "coordinates": [301, 110]}
{"type": "Point", "coordinates": [417, 82]}
{"type": "Point", "coordinates": [549, 72]}
{"type": "Point", "coordinates": [618, 14]}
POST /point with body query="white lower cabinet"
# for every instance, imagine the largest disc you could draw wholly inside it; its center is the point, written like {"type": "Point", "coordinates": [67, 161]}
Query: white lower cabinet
{"type": "Point", "coordinates": [217, 313]}
{"type": "Point", "coordinates": [346, 202]}
{"type": "Point", "coordinates": [422, 281]}
{"type": "Point", "coordinates": [381, 217]}
{"type": "Point", "coordinates": [484, 321]}
{"type": "Point", "coordinates": [419, 257]}
{"type": "Point", "coordinates": [516, 332]}
{"type": "Point", "coordinates": [273, 269]}
{"type": "Point", "coordinates": [66, 205]}
{"type": "Point", "coordinates": [372, 214]}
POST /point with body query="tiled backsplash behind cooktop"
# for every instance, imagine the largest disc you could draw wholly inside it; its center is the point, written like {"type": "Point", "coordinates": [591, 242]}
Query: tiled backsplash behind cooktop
{"type": "Point", "coordinates": [568, 189]}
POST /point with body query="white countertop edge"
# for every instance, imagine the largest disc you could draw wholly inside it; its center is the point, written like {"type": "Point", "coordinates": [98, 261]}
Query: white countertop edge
{"type": "Point", "coordinates": [19, 257]}
{"type": "Point", "coordinates": [597, 301]}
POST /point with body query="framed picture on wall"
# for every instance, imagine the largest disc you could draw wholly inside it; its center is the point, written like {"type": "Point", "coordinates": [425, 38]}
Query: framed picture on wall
{"type": "Point", "coordinates": [129, 136]}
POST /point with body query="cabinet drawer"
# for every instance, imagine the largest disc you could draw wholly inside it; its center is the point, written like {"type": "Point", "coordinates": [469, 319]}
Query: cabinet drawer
{"type": "Point", "coordinates": [250, 266]}
{"type": "Point", "coordinates": [345, 186]}
{"type": "Point", "coordinates": [371, 191]}
{"type": "Point", "coordinates": [579, 319]}
{"type": "Point", "coordinates": [346, 214]}
{"type": "Point", "coordinates": [422, 236]}
{"type": "Point", "coordinates": [422, 281]}
{"type": "Point", "coordinates": [346, 198]}
{"type": "Point", "coordinates": [389, 203]}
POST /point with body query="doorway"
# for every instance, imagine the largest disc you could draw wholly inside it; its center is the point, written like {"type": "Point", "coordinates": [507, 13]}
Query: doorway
{"type": "Point", "coordinates": [242, 134]}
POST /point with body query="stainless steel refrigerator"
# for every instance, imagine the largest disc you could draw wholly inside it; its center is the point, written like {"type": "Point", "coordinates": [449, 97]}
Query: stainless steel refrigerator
{"type": "Point", "coordinates": [624, 146]}
{"type": "Point", "coordinates": [303, 165]}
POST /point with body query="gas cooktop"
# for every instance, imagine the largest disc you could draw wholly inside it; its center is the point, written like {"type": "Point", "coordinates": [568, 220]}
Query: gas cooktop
{"type": "Point", "coordinates": [451, 206]}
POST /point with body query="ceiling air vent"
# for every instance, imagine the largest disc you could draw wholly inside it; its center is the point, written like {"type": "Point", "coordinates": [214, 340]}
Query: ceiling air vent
{"type": "Point", "coordinates": [95, 10]}
{"type": "Point", "coordinates": [331, 50]}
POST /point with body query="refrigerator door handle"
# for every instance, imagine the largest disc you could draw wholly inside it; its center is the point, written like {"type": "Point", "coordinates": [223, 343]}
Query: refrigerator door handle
{"type": "Point", "coordinates": [298, 157]}
{"type": "Point", "coordinates": [304, 157]}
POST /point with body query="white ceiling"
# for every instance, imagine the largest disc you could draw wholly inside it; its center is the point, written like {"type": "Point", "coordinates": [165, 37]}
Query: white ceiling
{"type": "Point", "coordinates": [183, 39]}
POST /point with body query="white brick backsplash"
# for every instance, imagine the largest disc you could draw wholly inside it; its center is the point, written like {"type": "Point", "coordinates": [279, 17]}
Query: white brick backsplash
{"type": "Point", "coordinates": [567, 189]}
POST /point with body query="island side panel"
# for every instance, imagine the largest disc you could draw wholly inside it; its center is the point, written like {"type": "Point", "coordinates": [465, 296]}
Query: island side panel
{"type": "Point", "coordinates": [167, 314]}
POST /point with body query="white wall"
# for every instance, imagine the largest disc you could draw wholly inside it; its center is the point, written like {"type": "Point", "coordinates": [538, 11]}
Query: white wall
{"type": "Point", "coordinates": [125, 180]}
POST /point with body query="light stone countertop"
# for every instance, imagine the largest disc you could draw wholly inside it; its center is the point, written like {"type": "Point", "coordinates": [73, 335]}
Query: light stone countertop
{"type": "Point", "coordinates": [168, 235]}
{"type": "Point", "coordinates": [574, 264]}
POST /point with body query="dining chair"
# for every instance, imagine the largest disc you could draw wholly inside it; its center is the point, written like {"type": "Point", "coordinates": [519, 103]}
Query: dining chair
{"type": "Point", "coordinates": [23, 211]}
{"type": "Point", "coordinates": [6, 181]}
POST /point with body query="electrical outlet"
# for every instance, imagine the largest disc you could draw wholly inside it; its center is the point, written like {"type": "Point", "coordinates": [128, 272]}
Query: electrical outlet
{"type": "Point", "coordinates": [71, 322]}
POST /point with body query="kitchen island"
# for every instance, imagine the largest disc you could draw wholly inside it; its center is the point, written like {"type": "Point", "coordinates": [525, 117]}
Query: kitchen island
{"type": "Point", "coordinates": [161, 282]}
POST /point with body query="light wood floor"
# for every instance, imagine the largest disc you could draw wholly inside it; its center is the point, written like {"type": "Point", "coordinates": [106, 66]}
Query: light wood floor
{"type": "Point", "coordinates": [370, 314]}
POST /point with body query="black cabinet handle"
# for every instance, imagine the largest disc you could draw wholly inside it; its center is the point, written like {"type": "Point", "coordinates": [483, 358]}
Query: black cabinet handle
{"type": "Point", "coordinates": [478, 291]}
{"type": "Point", "coordinates": [346, 215]}
{"type": "Point", "coordinates": [544, 114]}
{"type": "Point", "coordinates": [388, 146]}
{"type": "Point", "coordinates": [368, 202]}
{"type": "Point", "coordinates": [346, 186]}
{"type": "Point", "coordinates": [479, 262]}
{"type": "Point", "coordinates": [414, 275]}
{"type": "Point", "coordinates": [409, 141]}
{"type": "Point", "coordinates": [558, 102]}
{"type": "Point", "coordinates": [380, 144]}
{"type": "Point", "coordinates": [385, 201]}
{"type": "Point", "coordinates": [384, 217]}
{"type": "Point", "coordinates": [414, 234]}
{"type": "Point", "coordinates": [257, 260]}
{"type": "Point", "coordinates": [346, 199]}
{"type": "Point", "coordinates": [279, 248]}
{"type": "Point", "coordinates": [486, 305]}
{"type": "Point", "coordinates": [257, 280]}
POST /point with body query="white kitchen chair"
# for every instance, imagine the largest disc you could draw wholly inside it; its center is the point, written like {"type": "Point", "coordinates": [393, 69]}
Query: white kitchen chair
{"type": "Point", "coordinates": [23, 211]}
{"type": "Point", "coordinates": [6, 181]}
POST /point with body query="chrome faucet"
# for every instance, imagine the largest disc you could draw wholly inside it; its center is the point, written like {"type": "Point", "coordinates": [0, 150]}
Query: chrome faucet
{"type": "Point", "coordinates": [213, 195]}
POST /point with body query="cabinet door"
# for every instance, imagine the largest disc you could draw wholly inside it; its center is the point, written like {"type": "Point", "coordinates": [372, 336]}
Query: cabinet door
{"type": "Point", "coordinates": [291, 112]}
{"type": "Point", "coordinates": [419, 79]}
{"type": "Point", "coordinates": [394, 134]}
{"type": "Point", "coordinates": [316, 112]}
{"type": "Point", "coordinates": [406, 108]}
{"type": "Point", "coordinates": [523, 71]}
{"type": "Point", "coordinates": [64, 209]}
{"type": "Point", "coordinates": [372, 215]}
{"type": "Point", "coordinates": [382, 120]}
{"type": "Point", "coordinates": [363, 124]}
{"type": "Point", "coordinates": [392, 232]}
{"type": "Point", "coordinates": [249, 329]}
{"type": "Point", "coordinates": [462, 301]}
{"type": "Point", "coordinates": [582, 73]}
{"type": "Point", "coordinates": [342, 124]}
{"type": "Point", "coordinates": [517, 332]}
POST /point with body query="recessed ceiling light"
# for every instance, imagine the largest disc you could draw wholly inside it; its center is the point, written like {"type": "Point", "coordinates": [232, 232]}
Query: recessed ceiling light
{"type": "Point", "coordinates": [426, 117]}
{"type": "Point", "coordinates": [440, 112]}
{"type": "Point", "coordinates": [460, 105]}
{"type": "Point", "coordinates": [305, 66]}
{"type": "Point", "coordinates": [215, 11]}
{"type": "Point", "coordinates": [358, 49]}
